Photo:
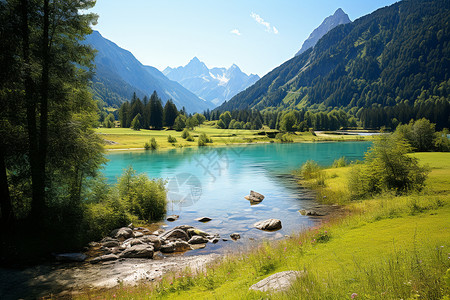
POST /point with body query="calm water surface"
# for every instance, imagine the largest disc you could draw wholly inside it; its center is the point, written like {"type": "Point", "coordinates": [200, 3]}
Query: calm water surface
{"type": "Point", "coordinates": [213, 181]}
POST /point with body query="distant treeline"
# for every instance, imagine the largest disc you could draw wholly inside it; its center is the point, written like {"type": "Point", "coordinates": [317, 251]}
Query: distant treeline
{"type": "Point", "coordinates": [151, 114]}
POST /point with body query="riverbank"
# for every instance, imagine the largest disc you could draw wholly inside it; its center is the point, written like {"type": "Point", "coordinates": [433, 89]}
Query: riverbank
{"type": "Point", "coordinates": [391, 247]}
{"type": "Point", "coordinates": [126, 139]}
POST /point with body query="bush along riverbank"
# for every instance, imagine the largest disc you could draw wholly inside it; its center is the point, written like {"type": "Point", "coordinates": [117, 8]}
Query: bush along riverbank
{"type": "Point", "coordinates": [392, 244]}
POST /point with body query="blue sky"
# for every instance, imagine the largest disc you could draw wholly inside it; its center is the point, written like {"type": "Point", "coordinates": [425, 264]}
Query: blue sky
{"type": "Point", "coordinates": [257, 35]}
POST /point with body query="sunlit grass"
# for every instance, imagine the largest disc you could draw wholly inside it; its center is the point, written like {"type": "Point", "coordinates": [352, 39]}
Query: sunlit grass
{"type": "Point", "coordinates": [127, 138]}
{"type": "Point", "coordinates": [387, 248]}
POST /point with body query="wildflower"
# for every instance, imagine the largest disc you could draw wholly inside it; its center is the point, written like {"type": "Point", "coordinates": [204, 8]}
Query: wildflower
{"type": "Point", "coordinates": [171, 283]}
{"type": "Point", "coordinates": [354, 295]}
{"type": "Point", "coordinates": [285, 249]}
{"type": "Point", "coordinates": [326, 232]}
{"type": "Point", "coordinates": [114, 296]}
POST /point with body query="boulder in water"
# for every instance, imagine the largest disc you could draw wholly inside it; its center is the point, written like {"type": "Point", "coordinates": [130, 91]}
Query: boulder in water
{"type": "Point", "coordinates": [270, 224]}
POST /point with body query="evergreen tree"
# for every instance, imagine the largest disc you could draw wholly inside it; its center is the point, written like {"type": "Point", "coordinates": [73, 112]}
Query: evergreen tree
{"type": "Point", "coordinates": [124, 112]}
{"type": "Point", "coordinates": [156, 112]}
{"type": "Point", "coordinates": [170, 113]}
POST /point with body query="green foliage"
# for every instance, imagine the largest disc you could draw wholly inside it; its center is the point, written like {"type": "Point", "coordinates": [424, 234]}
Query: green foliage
{"type": "Point", "coordinates": [419, 134]}
{"type": "Point", "coordinates": [170, 113]}
{"type": "Point", "coordinates": [109, 121]}
{"type": "Point", "coordinates": [310, 169]}
{"type": "Point", "coordinates": [185, 134]}
{"type": "Point", "coordinates": [171, 139]}
{"type": "Point", "coordinates": [136, 123]}
{"type": "Point", "coordinates": [200, 118]}
{"type": "Point", "coordinates": [192, 122]}
{"type": "Point", "coordinates": [285, 138]}
{"type": "Point", "coordinates": [225, 118]}
{"type": "Point", "coordinates": [387, 167]}
{"type": "Point", "coordinates": [288, 122]}
{"type": "Point", "coordinates": [441, 141]}
{"type": "Point", "coordinates": [221, 124]}
{"type": "Point", "coordinates": [203, 139]}
{"type": "Point", "coordinates": [180, 122]}
{"type": "Point", "coordinates": [340, 162]}
{"type": "Point", "coordinates": [153, 144]}
{"type": "Point", "coordinates": [142, 196]}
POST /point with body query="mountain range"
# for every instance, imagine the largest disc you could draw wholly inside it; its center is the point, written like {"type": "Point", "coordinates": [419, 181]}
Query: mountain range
{"type": "Point", "coordinates": [398, 57]}
{"type": "Point", "coordinates": [338, 18]}
{"type": "Point", "coordinates": [214, 85]}
{"type": "Point", "coordinates": [119, 74]}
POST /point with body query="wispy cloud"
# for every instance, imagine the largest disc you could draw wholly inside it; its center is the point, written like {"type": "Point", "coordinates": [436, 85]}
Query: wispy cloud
{"type": "Point", "coordinates": [269, 28]}
{"type": "Point", "coordinates": [235, 31]}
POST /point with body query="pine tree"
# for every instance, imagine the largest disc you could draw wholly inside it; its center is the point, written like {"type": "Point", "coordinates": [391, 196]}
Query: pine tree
{"type": "Point", "coordinates": [156, 112]}
{"type": "Point", "coordinates": [170, 113]}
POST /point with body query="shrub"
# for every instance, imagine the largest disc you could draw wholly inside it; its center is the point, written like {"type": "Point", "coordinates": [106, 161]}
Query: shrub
{"type": "Point", "coordinates": [190, 138]}
{"type": "Point", "coordinates": [185, 133]}
{"type": "Point", "coordinates": [143, 197]}
{"type": "Point", "coordinates": [387, 167]}
{"type": "Point", "coordinates": [171, 139]}
{"type": "Point", "coordinates": [340, 162]}
{"type": "Point", "coordinates": [310, 169]}
{"type": "Point", "coordinates": [203, 139]}
{"type": "Point", "coordinates": [286, 138]}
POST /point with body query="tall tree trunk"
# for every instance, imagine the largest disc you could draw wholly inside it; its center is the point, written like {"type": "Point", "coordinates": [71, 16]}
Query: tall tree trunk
{"type": "Point", "coordinates": [38, 206]}
{"type": "Point", "coordinates": [37, 195]}
{"type": "Point", "coordinates": [7, 215]}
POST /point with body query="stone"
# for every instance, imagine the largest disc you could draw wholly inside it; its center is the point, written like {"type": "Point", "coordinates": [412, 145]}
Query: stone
{"type": "Point", "coordinates": [93, 244]}
{"type": "Point", "coordinates": [215, 240]}
{"type": "Point", "coordinates": [122, 233]}
{"type": "Point", "coordinates": [194, 231]}
{"type": "Point", "coordinates": [278, 282]}
{"type": "Point", "coordinates": [138, 234]}
{"type": "Point", "coordinates": [131, 226]}
{"type": "Point", "coordinates": [270, 224]}
{"type": "Point", "coordinates": [103, 258]}
{"type": "Point", "coordinates": [197, 239]}
{"type": "Point", "coordinates": [167, 248]}
{"type": "Point", "coordinates": [181, 246]}
{"type": "Point", "coordinates": [185, 228]}
{"type": "Point", "coordinates": [255, 197]}
{"type": "Point", "coordinates": [111, 244]}
{"type": "Point", "coordinates": [198, 246]}
{"type": "Point", "coordinates": [203, 219]}
{"type": "Point", "coordinates": [136, 242]}
{"type": "Point", "coordinates": [313, 213]}
{"type": "Point", "coordinates": [235, 236]}
{"type": "Point", "coordinates": [71, 257]}
{"type": "Point", "coordinates": [172, 218]}
{"type": "Point", "coordinates": [138, 251]}
{"type": "Point", "coordinates": [152, 239]}
{"type": "Point", "coordinates": [175, 234]}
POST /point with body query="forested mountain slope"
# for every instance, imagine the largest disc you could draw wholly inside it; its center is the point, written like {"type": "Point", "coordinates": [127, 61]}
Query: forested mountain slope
{"type": "Point", "coordinates": [119, 74]}
{"type": "Point", "coordinates": [396, 57]}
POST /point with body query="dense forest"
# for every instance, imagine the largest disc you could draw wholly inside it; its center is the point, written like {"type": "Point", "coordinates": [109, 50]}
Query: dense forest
{"type": "Point", "coordinates": [390, 66]}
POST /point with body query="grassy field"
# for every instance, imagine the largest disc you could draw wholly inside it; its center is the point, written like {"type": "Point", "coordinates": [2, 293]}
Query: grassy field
{"type": "Point", "coordinates": [126, 138]}
{"type": "Point", "coordinates": [386, 248]}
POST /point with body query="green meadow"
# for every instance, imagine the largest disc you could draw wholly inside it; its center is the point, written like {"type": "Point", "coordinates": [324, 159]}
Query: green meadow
{"type": "Point", "coordinates": [386, 247]}
{"type": "Point", "coordinates": [127, 138]}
